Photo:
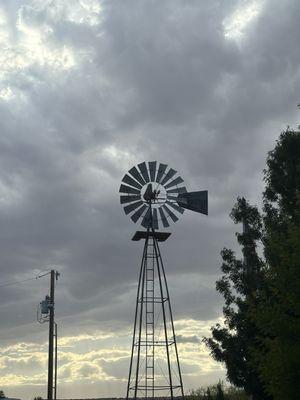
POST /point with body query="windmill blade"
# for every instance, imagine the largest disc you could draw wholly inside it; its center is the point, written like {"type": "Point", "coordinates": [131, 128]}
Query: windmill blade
{"type": "Point", "coordinates": [175, 182]}
{"type": "Point", "coordinates": [177, 190]}
{"type": "Point", "coordinates": [147, 219]}
{"type": "Point", "coordinates": [152, 170]}
{"type": "Point", "coordinates": [170, 213]}
{"type": "Point", "coordinates": [137, 175]}
{"type": "Point", "coordinates": [130, 181]}
{"type": "Point", "coordinates": [128, 189]}
{"type": "Point", "coordinates": [167, 206]}
{"type": "Point", "coordinates": [160, 172]}
{"type": "Point", "coordinates": [154, 219]}
{"type": "Point", "coordinates": [195, 201]}
{"type": "Point", "coordinates": [138, 213]}
{"type": "Point", "coordinates": [163, 218]}
{"type": "Point", "coordinates": [129, 199]}
{"type": "Point", "coordinates": [169, 175]}
{"type": "Point", "coordinates": [175, 206]}
{"type": "Point", "coordinates": [131, 207]}
{"type": "Point", "coordinates": [143, 168]}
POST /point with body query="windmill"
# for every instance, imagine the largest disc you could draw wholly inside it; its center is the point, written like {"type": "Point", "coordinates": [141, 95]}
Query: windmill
{"type": "Point", "coordinates": [154, 195]}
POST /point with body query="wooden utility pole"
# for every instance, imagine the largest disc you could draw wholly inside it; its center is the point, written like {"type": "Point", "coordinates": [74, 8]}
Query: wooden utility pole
{"type": "Point", "coordinates": [55, 362]}
{"type": "Point", "coordinates": [53, 275]}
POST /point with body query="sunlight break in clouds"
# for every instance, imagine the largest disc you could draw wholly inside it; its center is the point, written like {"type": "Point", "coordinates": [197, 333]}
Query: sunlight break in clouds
{"type": "Point", "coordinates": [101, 356]}
{"type": "Point", "coordinates": [31, 47]}
{"type": "Point", "coordinates": [236, 24]}
{"type": "Point", "coordinates": [32, 43]}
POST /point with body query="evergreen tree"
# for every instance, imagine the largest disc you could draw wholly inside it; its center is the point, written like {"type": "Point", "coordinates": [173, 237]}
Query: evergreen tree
{"type": "Point", "coordinates": [277, 315]}
{"type": "Point", "coordinates": [282, 177]}
{"type": "Point", "coordinates": [260, 343]}
{"type": "Point", "coordinates": [232, 344]}
{"type": "Point", "coordinates": [281, 195]}
{"type": "Point", "coordinates": [2, 395]}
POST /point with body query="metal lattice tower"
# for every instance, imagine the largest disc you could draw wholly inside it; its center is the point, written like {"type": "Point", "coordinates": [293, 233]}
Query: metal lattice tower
{"type": "Point", "coordinates": [154, 195]}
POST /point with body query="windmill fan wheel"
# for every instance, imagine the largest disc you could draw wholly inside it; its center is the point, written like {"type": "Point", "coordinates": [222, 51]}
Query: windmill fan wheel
{"type": "Point", "coordinates": [152, 188]}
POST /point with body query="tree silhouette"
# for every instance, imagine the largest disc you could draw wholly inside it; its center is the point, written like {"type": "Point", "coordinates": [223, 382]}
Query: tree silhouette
{"type": "Point", "coordinates": [232, 344]}
{"type": "Point", "coordinates": [259, 343]}
{"type": "Point", "coordinates": [278, 314]}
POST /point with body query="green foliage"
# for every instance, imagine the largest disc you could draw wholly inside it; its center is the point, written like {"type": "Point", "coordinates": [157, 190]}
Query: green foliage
{"type": "Point", "coordinates": [233, 393]}
{"type": "Point", "coordinates": [212, 392]}
{"type": "Point", "coordinates": [282, 176]}
{"type": "Point", "coordinates": [277, 316]}
{"type": "Point", "coordinates": [208, 394]}
{"type": "Point", "coordinates": [220, 393]}
{"type": "Point", "coordinates": [198, 394]}
{"type": "Point", "coordinates": [259, 343]}
{"type": "Point", "coordinates": [281, 195]}
{"type": "Point", "coordinates": [2, 395]}
{"type": "Point", "coordinates": [204, 393]}
{"type": "Point", "coordinates": [232, 344]}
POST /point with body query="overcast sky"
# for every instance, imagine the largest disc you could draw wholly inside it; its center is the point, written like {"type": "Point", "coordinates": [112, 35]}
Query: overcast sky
{"type": "Point", "coordinates": [88, 89]}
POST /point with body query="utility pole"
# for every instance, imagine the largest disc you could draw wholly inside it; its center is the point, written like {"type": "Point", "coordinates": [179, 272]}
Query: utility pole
{"type": "Point", "coordinates": [55, 362]}
{"type": "Point", "coordinates": [53, 276]}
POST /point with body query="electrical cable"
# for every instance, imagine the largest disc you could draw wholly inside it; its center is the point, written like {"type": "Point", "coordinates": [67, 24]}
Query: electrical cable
{"type": "Point", "coordinates": [24, 280]}
{"type": "Point", "coordinates": [17, 282]}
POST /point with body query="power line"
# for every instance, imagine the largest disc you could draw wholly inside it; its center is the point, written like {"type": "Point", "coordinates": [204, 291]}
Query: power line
{"type": "Point", "coordinates": [24, 280]}
{"type": "Point", "coordinates": [17, 282]}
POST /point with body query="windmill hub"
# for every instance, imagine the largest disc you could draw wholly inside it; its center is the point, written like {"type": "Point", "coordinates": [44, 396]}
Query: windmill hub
{"type": "Point", "coordinates": [154, 193]}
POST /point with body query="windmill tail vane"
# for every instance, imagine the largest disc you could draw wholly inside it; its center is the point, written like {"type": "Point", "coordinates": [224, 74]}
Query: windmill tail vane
{"type": "Point", "coordinates": [194, 201]}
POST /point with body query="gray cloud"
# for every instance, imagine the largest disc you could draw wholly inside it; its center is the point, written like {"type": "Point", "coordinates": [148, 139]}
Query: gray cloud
{"type": "Point", "coordinates": [188, 339]}
{"type": "Point", "coordinates": [86, 93]}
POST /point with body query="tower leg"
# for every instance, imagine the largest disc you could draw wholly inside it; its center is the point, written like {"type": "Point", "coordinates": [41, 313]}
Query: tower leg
{"type": "Point", "coordinates": [164, 317]}
{"type": "Point", "coordinates": [137, 323]}
{"type": "Point", "coordinates": [171, 319]}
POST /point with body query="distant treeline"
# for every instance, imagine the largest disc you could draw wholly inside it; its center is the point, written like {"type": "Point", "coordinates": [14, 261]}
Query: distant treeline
{"type": "Point", "coordinates": [217, 392]}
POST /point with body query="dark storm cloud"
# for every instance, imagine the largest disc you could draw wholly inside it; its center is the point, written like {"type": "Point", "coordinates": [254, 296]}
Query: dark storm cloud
{"type": "Point", "coordinates": [151, 80]}
{"type": "Point", "coordinates": [165, 58]}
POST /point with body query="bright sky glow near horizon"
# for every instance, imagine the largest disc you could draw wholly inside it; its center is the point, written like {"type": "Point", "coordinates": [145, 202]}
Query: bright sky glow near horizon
{"type": "Point", "coordinates": [89, 88]}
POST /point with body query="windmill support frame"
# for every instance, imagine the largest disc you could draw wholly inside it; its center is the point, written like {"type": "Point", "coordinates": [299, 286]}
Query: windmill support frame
{"type": "Point", "coordinates": [144, 378]}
